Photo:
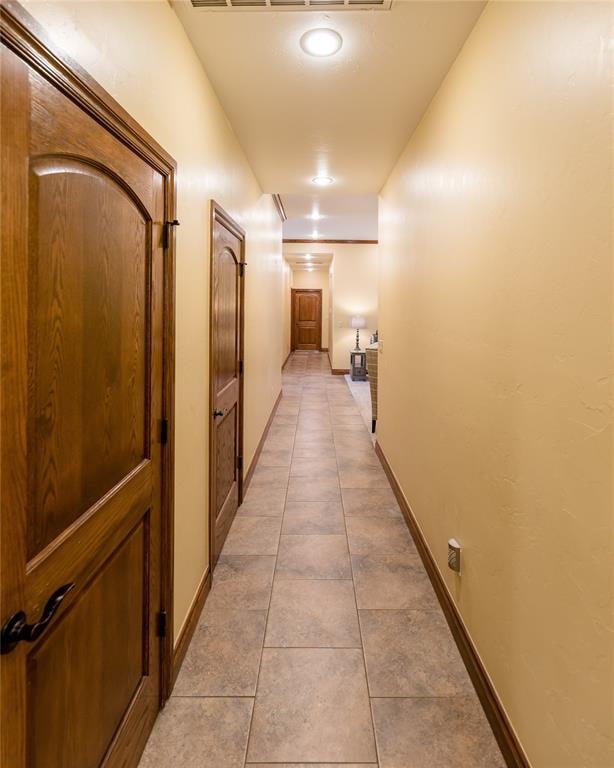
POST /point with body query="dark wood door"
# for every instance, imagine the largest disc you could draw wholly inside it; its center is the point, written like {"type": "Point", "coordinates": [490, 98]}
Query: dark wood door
{"type": "Point", "coordinates": [306, 318]}
{"type": "Point", "coordinates": [82, 338]}
{"type": "Point", "coordinates": [226, 375]}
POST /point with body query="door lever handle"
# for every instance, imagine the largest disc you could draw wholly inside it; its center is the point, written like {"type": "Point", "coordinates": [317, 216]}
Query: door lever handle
{"type": "Point", "coordinates": [17, 629]}
{"type": "Point", "coordinates": [217, 413]}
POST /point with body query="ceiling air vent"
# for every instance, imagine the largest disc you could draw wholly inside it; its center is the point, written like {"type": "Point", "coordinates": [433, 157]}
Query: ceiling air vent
{"type": "Point", "coordinates": [292, 5]}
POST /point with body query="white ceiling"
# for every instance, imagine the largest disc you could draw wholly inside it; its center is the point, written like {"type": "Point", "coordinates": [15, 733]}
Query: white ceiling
{"type": "Point", "coordinates": [342, 217]}
{"type": "Point", "coordinates": [310, 262]}
{"type": "Point", "coordinates": [348, 116]}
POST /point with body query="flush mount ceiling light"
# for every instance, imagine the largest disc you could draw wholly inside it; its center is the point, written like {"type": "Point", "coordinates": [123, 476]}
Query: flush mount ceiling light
{"type": "Point", "coordinates": [322, 181]}
{"type": "Point", "coordinates": [321, 42]}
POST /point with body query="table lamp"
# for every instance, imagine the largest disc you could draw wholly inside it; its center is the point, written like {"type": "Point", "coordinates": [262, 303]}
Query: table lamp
{"type": "Point", "coordinates": [358, 323]}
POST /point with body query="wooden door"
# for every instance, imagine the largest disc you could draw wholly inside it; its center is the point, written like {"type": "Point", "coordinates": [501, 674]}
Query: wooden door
{"type": "Point", "coordinates": [82, 333]}
{"type": "Point", "coordinates": [306, 318]}
{"type": "Point", "coordinates": [226, 375]}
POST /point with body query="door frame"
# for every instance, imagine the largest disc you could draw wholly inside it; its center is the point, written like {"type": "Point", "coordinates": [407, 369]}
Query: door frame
{"type": "Point", "coordinates": [22, 34]}
{"type": "Point", "coordinates": [293, 291]}
{"type": "Point", "coordinates": [218, 215]}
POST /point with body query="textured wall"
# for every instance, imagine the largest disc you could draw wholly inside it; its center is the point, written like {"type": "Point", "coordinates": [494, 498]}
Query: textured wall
{"type": "Point", "coordinates": [140, 53]}
{"type": "Point", "coordinates": [286, 309]}
{"type": "Point", "coordinates": [496, 378]}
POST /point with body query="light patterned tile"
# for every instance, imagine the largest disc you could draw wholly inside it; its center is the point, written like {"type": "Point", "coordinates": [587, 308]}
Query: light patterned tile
{"type": "Point", "coordinates": [312, 706]}
{"type": "Point", "coordinates": [242, 582]}
{"type": "Point", "coordinates": [313, 517]}
{"type": "Point", "coordinates": [313, 614]}
{"type": "Point", "coordinates": [370, 502]}
{"type": "Point", "coordinates": [224, 654]}
{"type": "Point", "coordinates": [392, 581]}
{"type": "Point", "coordinates": [313, 557]}
{"type": "Point", "coordinates": [253, 536]}
{"type": "Point", "coordinates": [411, 653]}
{"type": "Point", "coordinates": [434, 732]}
{"type": "Point", "coordinates": [318, 489]}
{"type": "Point", "coordinates": [378, 536]}
{"type": "Point", "coordinates": [195, 732]}
{"type": "Point", "coordinates": [263, 502]}
{"type": "Point", "coordinates": [270, 477]}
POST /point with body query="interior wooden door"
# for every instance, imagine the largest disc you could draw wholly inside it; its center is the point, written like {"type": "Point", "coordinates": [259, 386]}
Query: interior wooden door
{"type": "Point", "coordinates": [306, 318]}
{"type": "Point", "coordinates": [226, 375]}
{"type": "Point", "coordinates": [82, 337]}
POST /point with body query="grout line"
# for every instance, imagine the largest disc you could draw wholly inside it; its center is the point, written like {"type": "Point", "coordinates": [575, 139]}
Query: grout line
{"type": "Point", "coordinates": [311, 578]}
{"type": "Point", "coordinates": [315, 648]}
{"type": "Point", "coordinates": [213, 696]}
{"type": "Point", "coordinates": [362, 644]}
{"type": "Point", "coordinates": [266, 623]}
{"type": "Point", "coordinates": [469, 695]}
{"type": "Point", "coordinates": [323, 392]}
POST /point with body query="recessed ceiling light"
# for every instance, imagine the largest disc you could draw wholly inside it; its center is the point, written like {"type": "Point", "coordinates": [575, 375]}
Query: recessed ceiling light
{"type": "Point", "coordinates": [321, 42]}
{"type": "Point", "coordinates": [308, 256]}
{"type": "Point", "coordinates": [322, 181]}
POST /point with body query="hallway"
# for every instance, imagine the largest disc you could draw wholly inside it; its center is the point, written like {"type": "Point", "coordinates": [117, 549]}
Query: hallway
{"type": "Point", "coordinates": [321, 642]}
{"type": "Point", "coordinates": [238, 235]}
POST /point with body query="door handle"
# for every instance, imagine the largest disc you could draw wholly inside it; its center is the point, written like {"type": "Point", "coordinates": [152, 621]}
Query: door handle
{"type": "Point", "coordinates": [217, 413]}
{"type": "Point", "coordinates": [17, 629]}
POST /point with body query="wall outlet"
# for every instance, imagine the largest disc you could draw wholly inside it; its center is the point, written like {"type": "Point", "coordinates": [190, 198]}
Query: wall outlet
{"type": "Point", "coordinates": [454, 556]}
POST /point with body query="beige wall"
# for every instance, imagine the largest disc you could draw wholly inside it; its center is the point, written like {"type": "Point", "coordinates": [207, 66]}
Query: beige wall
{"type": "Point", "coordinates": [495, 398]}
{"type": "Point", "coordinates": [286, 310]}
{"type": "Point", "coordinates": [139, 52]}
{"type": "Point", "coordinates": [354, 293]}
{"type": "Point", "coordinates": [329, 344]}
{"type": "Point", "coordinates": [317, 279]}
{"type": "Point", "coordinates": [352, 289]}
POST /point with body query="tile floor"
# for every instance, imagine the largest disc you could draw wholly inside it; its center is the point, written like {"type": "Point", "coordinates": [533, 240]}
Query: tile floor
{"type": "Point", "coordinates": [361, 392]}
{"type": "Point", "coordinates": [321, 643]}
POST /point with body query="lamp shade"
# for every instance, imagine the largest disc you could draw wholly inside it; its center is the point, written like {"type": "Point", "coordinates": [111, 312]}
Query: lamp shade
{"type": "Point", "coordinates": [358, 322]}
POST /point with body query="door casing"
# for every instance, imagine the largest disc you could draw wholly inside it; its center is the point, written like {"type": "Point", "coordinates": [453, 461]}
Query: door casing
{"type": "Point", "coordinates": [218, 214]}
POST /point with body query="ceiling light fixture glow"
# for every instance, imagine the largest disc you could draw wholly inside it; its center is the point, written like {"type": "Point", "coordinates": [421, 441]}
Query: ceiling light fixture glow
{"type": "Point", "coordinates": [321, 42]}
{"type": "Point", "coordinates": [323, 181]}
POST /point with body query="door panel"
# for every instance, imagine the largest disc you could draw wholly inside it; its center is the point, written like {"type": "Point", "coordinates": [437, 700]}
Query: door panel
{"type": "Point", "coordinates": [308, 307]}
{"type": "Point", "coordinates": [226, 304]}
{"type": "Point", "coordinates": [83, 280]}
{"type": "Point", "coordinates": [113, 674]}
{"type": "Point", "coordinates": [88, 302]}
{"type": "Point", "coordinates": [227, 271]}
{"type": "Point", "coordinates": [225, 457]}
{"type": "Point", "coordinates": [306, 319]}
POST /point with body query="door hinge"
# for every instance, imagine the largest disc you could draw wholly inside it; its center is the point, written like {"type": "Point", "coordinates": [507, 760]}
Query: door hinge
{"type": "Point", "coordinates": [166, 232]}
{"type": "Point", "coordinates": [164, 431]}
{"type": "Point", "coordinates": [242, 266]}
{"type": "Point", "coordinates": [240, 463]}
{"type": "Point", "coordinates": [162, 623]}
